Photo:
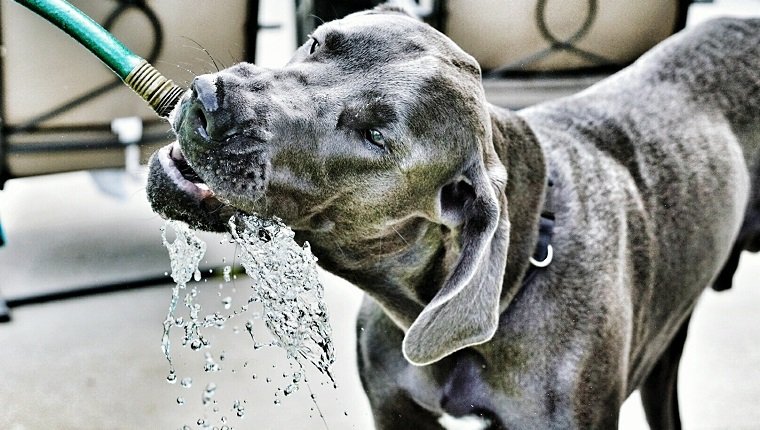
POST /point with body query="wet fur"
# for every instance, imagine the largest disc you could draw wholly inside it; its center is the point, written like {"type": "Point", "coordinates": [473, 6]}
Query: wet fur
{"type": "Point", "coordinates": [656, 194]}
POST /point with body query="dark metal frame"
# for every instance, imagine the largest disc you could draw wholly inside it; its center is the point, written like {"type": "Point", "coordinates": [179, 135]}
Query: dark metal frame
{"type": "Point", "coordinates": [35, 128]}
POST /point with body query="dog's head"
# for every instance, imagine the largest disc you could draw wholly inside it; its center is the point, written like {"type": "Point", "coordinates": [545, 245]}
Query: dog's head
{"type": "Point", "coordinates": [377, 120]}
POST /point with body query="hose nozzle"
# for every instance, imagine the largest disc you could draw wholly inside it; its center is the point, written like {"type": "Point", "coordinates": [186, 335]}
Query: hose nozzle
{"type": "Point", "coordinates": [161, 93]}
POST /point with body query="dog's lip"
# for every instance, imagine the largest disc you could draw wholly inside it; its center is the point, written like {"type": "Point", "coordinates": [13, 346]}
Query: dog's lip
{"type": "Point", "coordinates": [169, 156]}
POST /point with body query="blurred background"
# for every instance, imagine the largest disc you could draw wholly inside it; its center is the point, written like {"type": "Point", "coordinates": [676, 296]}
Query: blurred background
{"type": "Point", "coordinates": [83, 284]}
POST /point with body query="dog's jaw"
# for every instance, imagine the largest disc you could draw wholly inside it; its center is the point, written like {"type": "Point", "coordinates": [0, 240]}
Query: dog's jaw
{"type": "Point", "coordinates": [171, 159]}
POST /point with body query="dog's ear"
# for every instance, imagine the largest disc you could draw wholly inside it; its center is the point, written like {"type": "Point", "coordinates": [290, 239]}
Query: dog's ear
{"type": "Point", "coordinates": [465, 311]}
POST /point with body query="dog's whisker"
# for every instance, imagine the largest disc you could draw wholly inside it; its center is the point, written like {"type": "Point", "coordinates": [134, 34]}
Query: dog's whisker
{"type": "Point", "coordinates": [233, 58]}
{"type": "Point", "coordinates": [399, 235]}
{"type": "Point", "coordinates": [186, 68]}
{"type": "Point", "coordinates": [337, 245]}
{"type": "Point", "coordinates": [321, 21]}
{"type": "Point", "coordinates": [202, 48]}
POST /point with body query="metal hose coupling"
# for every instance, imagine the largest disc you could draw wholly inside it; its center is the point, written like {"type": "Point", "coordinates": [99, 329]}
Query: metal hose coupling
{"type": "Point", "coordinates": [161, 93]}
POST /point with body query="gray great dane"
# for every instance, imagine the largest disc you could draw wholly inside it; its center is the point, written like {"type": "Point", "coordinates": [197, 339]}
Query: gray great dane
{"type": "Point", "coordinates": [375, 143]}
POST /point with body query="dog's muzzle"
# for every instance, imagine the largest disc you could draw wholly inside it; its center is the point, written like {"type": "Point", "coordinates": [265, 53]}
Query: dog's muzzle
{"type": "Point", "coordinates": [214, 168]}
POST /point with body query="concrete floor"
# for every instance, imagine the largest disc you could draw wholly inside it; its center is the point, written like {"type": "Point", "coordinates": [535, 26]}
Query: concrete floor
{"type": "Point", "coordinates": [96, 362]}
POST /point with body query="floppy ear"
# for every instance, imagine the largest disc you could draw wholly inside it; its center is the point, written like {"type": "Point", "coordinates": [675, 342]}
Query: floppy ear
{"type": "Point", "coordinates": [465, 311]}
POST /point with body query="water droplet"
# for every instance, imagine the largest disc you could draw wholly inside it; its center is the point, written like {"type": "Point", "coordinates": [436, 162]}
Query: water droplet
{"type": "Point", "coordinates": [171, 378]}
{"type": "Point", "coordinates": [180, 401]}
{"type": "Point", "coordinates": [286, 294]}
{"type": "Point", "coordinates": [210, 365]}
{"type": "Point", "coordinates": [208, 393]}
{"type": "Point", "coordinates": [276, 401]}
{"type": "Point", "coordinates": [186, 382]}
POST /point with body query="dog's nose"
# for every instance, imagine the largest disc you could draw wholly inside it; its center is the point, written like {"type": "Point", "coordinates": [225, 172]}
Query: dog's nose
{"type": "Point", "coordinates": [206, 116]}
{"type": "Point", "coordinates": [205, 91]}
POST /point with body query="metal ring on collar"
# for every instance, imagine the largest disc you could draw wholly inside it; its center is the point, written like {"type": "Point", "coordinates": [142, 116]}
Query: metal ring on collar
{"type": "Point", "coordinates": [546, 261]}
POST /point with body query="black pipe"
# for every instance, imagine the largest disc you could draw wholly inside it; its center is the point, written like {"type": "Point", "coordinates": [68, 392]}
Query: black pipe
{"type": "Point", "coordinates": [80, 145]}
{"type": "Point", "coordinates": [7, 304]}
{"type": "Point", "coordinates": [80, 127]}
{"type": "Point", "coordinates": [74, 293]}
{"type": "Point", "coordinates": [251, 31]}
{"type": "Point", "coordinates": [4, 171]}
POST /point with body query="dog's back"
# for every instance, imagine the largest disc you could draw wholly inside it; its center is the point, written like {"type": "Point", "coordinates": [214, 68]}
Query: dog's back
{"type": "Point", "coordinates": [719, 64]}
{"type": "Point", "coordinates": [674, 140]}
{"type": "Point", "coordinates": [724, 55]}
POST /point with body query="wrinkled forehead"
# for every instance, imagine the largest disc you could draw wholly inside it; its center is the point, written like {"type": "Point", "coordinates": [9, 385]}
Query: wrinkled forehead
{"type": "Point", "coordinates": [376, 39]}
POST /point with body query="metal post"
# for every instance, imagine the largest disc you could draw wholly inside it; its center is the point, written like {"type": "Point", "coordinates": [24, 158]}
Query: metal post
{"type": "Point", "coordinates": [251, 30]}
{"type": "Point", "coordinates": [5, 312]}
{"type": "Point", "coordinates": [4, 173]}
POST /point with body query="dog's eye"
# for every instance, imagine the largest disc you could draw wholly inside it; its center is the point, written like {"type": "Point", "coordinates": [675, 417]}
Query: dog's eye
{"type": "Point", "coordinates": [314, 46]}
{"type": "Point", "coordinates": [375, 137]}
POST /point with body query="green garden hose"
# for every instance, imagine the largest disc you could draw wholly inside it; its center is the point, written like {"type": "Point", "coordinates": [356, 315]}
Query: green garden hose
{"type": "Point", "coordinates": [161, 93]}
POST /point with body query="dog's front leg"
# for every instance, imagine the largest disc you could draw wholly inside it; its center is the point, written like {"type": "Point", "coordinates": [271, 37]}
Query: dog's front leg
{"type": "Point", "coordinates": [381, 366]}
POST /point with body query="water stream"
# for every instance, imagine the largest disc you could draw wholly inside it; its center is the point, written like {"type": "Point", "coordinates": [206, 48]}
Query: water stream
{"type": "Point", "coordinates": [286, 297]}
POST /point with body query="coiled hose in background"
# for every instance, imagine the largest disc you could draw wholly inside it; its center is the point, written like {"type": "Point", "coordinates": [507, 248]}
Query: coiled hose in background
{"type": "Point", "coordinates": [161, 93]}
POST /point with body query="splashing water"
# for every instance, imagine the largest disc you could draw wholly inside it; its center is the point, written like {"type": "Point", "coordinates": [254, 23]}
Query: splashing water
{"type": "Point", "coordinates": [284, 283]}
{"type": "Point", "coordinates": [185, 253]}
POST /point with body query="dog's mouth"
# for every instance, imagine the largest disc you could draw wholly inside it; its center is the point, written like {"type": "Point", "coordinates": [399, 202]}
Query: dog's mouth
{"type": "Point", "coordinates": [176, 167]}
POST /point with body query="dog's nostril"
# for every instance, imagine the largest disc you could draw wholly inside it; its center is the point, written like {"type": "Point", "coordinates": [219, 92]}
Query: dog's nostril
{"type": "Point", "coordinates": [205, 91]}
{"type": "Point", "coordinates": [203, 125]}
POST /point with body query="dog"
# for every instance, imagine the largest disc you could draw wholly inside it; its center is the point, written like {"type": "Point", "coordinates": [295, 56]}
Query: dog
{"type": "Point", "coordinates": [522, 270]}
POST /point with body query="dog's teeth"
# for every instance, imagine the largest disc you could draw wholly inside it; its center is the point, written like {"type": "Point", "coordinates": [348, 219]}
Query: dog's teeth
{"type": "Point", "coordinates": [176, 152]}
